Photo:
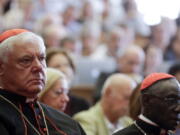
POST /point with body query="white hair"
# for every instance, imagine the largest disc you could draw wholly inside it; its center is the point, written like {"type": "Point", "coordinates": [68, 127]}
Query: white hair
{"type": "Point", "coordinates": [115, 31]}
{"type": "Point", "coordinates": [59, 30]}
{"type": "Point", "coordinates": [133, 49]}
{"type": "Point", "coordinates": [8, 44]}
{"type": "Point", "coordinates": [117, 79]}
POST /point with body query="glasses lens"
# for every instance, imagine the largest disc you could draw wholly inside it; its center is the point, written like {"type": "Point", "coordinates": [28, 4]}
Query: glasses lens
{"type": "Point", "coordinates": [172, 100]}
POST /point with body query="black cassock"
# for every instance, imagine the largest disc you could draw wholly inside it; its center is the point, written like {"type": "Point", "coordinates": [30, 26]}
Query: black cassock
{"type": "Point", "coordinates": [140, 128]}
{"type": "Point", "coordinates": [13, 122]}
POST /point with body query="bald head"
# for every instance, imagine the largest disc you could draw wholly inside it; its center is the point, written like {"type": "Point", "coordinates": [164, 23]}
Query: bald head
{"type": "Point", "coordinates": [134, 49]}
{"type": "Point", "coordinates": [117, 82]}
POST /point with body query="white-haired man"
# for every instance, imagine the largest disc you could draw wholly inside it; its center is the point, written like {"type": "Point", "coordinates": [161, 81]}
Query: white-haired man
{"type": "Point", "coordinates": [129, 62]}
{"type": "Point", "coordinates": [110, 113]}
{"type": "Point", "coordinates": [22, 77]}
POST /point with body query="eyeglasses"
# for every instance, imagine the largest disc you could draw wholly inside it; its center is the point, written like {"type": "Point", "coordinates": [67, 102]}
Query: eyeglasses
{"type": "Point", "coordinates": [169, 100]}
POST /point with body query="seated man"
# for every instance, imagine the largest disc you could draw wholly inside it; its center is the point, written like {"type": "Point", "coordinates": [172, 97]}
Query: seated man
{"type": "Point", "coordinates": [160, 96]}
{"type": "Point", "coordinates": [108, 115]}
{"type": "Point", "coordinates": [22, 77]}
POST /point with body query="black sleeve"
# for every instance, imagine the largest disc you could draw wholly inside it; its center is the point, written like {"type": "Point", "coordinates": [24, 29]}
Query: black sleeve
{"type": "Point", "coordinates": [3, 130]}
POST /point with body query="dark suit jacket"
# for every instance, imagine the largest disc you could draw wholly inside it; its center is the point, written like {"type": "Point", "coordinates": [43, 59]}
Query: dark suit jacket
{"type": "Point", "coordinates": [134, 130]}
{"type": "Point", "coordinates": [13, 123]}
{"type": "Point", "coordinates": [76, 104]}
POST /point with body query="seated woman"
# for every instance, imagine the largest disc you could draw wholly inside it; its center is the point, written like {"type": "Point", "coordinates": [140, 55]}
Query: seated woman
{"type": "Point", "coordinates": [56, 90]}
{"type": "Point", "coordinates": [61, 60]}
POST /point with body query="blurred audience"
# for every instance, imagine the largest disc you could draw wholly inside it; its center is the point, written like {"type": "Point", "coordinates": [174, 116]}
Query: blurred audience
{"type": "Point", "coordinates": [89, 38]}
{"type": "Point", "coordinates": [52, 35]}
{"type": "Point", "coordinates": [21, 14]}
{"type": "Point", "coordinates": [133, 18]}
{"type": "Point", "coordinates": [70, 20]}
{"type": "Point", "coordinates": [161, 33]}
{"type": "Point", "coordinates": [129, 62]}
{"type": "Point", "coordinates": [86, 12]}
{"type": "Point", "coordinates": [69, 44]}
{"type": "Point", "coordinates": [4, 6]}
{"type": "Point", "coordinates": [45, 21]}
{"type": "Point", "coordinates": [173, 50]}
{"type": "Point", "coordinates": [115, 42]}
{"type": "Point", "coordinates": [154, 56]}
{"type": "Point", "coordinates": [61, 60]}
{"type": "Point", "coordinates": [174, 69]}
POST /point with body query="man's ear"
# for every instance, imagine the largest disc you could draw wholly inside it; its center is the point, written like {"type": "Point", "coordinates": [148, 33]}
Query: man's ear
{"type": "Point", "coordinates": [108, 92]}
{"type": "Point", "coordinates": [1, 68]}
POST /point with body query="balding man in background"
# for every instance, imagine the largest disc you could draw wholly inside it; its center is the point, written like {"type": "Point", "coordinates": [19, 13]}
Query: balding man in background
{"type": "Point", "coordinates": [110, 113]}
{"type": "Point", "coordinates": [129, 62]}
{"type": "Point", "coordinates": [22, 77]}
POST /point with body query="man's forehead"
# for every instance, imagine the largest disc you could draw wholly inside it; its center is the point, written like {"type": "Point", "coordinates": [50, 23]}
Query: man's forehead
{"type": "Point", "coordinates": [169, 87]}
{"type": "Point", "coordinates": [29, 47]}
{"type": "Point", "coordinates": [174, 84]}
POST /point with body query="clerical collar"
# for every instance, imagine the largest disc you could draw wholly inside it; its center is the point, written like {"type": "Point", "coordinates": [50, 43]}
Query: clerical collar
{"type": "Point", "coordinates": [145, 119]}
{"type": "Point", "coordinates": [28, 100]}
{"type": "Point", "coordinates": [15, 97]}
{"type": "Point", "coordinates": [146, 127]}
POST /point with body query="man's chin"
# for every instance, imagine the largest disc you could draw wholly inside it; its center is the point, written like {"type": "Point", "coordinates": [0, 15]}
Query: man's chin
{"type": "Point", "coordinates": [33, 93]}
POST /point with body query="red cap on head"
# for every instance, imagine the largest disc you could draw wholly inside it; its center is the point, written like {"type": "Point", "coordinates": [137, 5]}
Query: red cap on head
{"type": "Point", "coordinates": [152, 78]}
{"type": "Point", "coordinates": [9, 33]}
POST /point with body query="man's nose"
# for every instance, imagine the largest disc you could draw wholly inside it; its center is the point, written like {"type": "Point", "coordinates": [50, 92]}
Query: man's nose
{"type": "Point", "coordinates": [37, 65]}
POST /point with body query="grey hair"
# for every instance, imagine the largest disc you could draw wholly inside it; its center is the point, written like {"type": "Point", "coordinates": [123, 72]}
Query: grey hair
{"type": "Point", "coordinates": [132, 49]}
{"type": "Point", "coordinates": [117, 78]}
{"type": "Point", "coordinates": [7, 45]}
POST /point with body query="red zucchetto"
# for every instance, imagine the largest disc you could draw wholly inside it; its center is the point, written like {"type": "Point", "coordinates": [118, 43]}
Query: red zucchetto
{"type": "Point", "coordinates": [154, 77]}
{"type": "Point", "coordinates": [9, 33]}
